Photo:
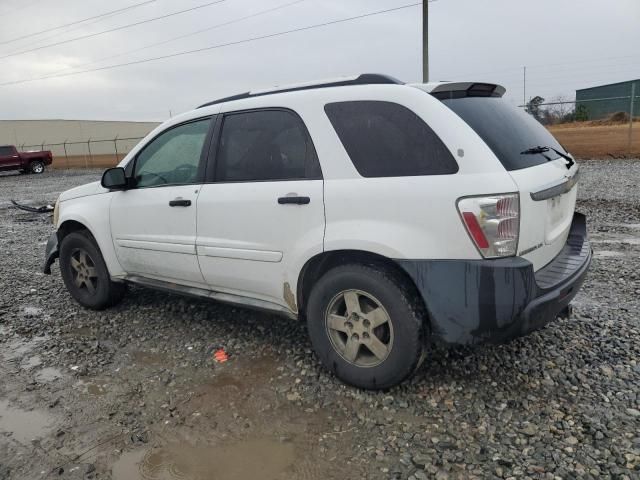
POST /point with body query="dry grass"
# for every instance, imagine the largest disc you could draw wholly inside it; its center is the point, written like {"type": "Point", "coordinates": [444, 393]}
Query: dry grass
{"type": "Point", "coordinates": [598, 140]}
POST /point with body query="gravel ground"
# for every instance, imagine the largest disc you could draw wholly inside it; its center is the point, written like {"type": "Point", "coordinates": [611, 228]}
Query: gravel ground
{"type": "Point", "coordinates": [134, 392]}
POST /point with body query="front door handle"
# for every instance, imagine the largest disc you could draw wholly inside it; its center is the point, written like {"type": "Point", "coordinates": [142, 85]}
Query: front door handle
{"type": "Point", "coordinates": [179, 202]}
{"type": "Point", "coordinates": [294, 200]}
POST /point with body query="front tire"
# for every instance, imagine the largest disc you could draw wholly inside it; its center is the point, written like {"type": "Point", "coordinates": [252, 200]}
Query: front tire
{"type": "Point", "coordinates": [366, 326]}
{"type": "Point", "coordinates": [36, 166]}
{"type": "Point", "coordinates": [85, 274]}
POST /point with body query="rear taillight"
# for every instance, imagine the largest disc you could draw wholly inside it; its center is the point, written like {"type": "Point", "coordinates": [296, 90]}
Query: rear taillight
{"type": "Point", "coordinates": [493, 223]}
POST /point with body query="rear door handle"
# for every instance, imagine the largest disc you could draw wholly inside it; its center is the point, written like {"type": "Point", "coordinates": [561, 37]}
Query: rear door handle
{"type": "Point", "coordinates": [294, 200]}
{"type": "Point", "coordinates": [178, 202]}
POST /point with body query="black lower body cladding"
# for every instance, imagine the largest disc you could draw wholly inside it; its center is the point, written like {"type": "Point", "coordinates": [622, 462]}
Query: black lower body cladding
{"type": "Point", "coordinates": [51, 253]}
{"type": "Point", "coordinates": [494, 301]}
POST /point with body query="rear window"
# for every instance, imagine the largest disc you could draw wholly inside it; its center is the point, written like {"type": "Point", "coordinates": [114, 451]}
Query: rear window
{"type": "Point", "coordinates": [506, 129]}
{"type": "Point", "coordinates": [384, 139]}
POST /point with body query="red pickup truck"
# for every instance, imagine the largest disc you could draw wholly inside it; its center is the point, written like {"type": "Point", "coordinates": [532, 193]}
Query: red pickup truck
{"type": "Point", "coordinates": [26, 162]}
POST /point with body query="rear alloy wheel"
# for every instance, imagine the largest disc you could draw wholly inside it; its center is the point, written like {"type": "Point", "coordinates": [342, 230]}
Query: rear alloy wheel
{"type": "Point", "coordinates": [359, 328]}
{"type": "Point", "coordinates": [36, 166]}
{"type": "Point", "coordinates": [85, 274]}
{"type": "Point", "coordinates": [366, 325]}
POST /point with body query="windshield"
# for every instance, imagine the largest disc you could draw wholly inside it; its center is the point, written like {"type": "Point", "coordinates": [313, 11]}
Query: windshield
{"type": "Point", "coordinates": [507, 130]}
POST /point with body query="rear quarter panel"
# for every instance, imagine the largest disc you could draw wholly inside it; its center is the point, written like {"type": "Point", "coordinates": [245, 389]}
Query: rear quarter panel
{"type": "Point", "coordinates": [407, 217]}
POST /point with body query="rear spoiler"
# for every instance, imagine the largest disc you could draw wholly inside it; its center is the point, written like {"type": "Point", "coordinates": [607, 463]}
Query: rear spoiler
{"type": "Point", "coordinates": [447, 90]}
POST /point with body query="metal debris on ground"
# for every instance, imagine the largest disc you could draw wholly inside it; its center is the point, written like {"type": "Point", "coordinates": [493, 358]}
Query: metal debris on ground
{"type": "Point", "coordinates": [27, 208]}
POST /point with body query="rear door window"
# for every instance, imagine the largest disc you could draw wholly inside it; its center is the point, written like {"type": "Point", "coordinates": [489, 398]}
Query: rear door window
{"type": "Point", "coordinates": [385, 139]}
{"type": "Point", "coordinates": [506, 129]}
{"type": "Point", "coordinates": [265, 145]}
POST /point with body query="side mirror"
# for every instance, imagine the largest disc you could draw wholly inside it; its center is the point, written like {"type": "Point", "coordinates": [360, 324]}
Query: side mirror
{"type": "Point", "coordinates": [114, 179]}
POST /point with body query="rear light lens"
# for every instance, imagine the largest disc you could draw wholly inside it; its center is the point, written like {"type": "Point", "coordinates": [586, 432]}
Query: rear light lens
{"type": "Point", "coordinates": [493, 223]}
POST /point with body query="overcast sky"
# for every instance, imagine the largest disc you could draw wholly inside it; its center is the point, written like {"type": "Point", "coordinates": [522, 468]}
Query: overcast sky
{"type": "Point", "coordinates": [565, 44]}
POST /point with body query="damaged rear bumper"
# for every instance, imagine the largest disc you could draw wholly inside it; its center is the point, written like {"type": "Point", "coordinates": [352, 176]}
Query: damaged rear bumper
{"type": "Point", "coordinates": [51, 253]}
{"type": "Point", "coordinates": [493, 301]}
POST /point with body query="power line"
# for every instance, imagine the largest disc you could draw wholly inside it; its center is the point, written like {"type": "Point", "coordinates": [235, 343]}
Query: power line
{"type": "Point", "coordinates": [62, 42]}
{"type": "Point", "coordinates": [180, 37]}
{"type": "Point", "coordinates": [217, 46]}
{"type": "Point", "coordinates": [4, 42]}
{"type": "Point", "coordinates": [517, 70]}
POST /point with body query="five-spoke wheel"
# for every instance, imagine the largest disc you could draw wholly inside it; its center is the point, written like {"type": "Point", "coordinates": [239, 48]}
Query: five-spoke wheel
{"type": "Point", "coordinates": [366, 325]}
{"type": "Point", "coordinates": [85, 274]}
{"type": "Point", "coordinates": [359, 328]}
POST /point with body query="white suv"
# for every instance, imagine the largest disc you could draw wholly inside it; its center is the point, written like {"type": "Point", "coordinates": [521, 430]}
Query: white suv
{"type": "Point", "coordinates": [387, 215]}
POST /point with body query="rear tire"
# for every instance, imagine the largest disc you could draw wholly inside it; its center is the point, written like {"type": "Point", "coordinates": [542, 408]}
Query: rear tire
{"type": "Point", "coordinates": [85, 274]}
{"type": "Point", "coordinates": [36, 166]}
{"type": "Point", "coordinates": [366, 326]}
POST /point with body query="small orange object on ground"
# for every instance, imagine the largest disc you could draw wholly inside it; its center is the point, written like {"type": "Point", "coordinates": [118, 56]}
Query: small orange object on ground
{"type": "Point", "coordinates": [220, 356]}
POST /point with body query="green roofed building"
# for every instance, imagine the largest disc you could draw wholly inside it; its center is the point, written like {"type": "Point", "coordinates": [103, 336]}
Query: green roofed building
{"type": "Point", "coordinates": [588, 100]}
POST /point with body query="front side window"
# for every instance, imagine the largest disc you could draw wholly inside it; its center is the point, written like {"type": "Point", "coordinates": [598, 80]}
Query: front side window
{"type": "Point", "coordinates": [265, 145]}
{"type": "Point", "coordinates": [385, 139]}
{"type": "Point", "coordinates": [6, 151]}
{"type": "Point", "coordinates": [172, 158]}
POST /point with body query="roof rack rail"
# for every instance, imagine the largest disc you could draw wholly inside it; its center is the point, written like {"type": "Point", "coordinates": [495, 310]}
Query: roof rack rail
{"type": "Point", "coordinates": [363, 79]}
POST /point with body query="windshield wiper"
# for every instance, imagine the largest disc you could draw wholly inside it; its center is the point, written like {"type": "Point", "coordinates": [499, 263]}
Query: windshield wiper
{"type": "Point", "coordinates": [543, 149]}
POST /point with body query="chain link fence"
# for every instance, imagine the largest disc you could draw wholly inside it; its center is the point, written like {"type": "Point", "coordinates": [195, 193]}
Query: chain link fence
{"type": "Point", "coordinates": [608, 135]}
{"type": "Point", "coordinates": [92, 153]}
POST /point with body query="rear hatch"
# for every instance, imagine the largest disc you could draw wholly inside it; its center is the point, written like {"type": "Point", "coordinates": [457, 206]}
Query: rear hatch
{"type": "Point", "coordinates": [546, 181]}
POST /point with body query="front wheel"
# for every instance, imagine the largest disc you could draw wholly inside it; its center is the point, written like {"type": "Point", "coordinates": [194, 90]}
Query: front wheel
{"type": "Point", "coordinates": [36, 166]}
{"type": "Point", "coordinates": [366, 326]}
{"type": "Point", "coordinates": [85, 274]}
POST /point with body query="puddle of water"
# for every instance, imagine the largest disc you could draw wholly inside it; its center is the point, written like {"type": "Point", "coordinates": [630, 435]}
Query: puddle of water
{"type": "Point", "coordinates": [23, 426]}
{"type": "Point", "coordinates": [81, 332]}
{"type": "Point", "coordinates": [48, 374]}
{"type": "Point", "coordinates": [607, 253]}
{"type": "Point", "coordinates": [263, 458]}
{"type": "Point", "coordinates": [95, 389]}
{"type": "Point", "coordinates": [31, 362]}
{"type": "Point", "coordinates": [18, 348]}
{"type": "Point", "coordinates": [147, 358]}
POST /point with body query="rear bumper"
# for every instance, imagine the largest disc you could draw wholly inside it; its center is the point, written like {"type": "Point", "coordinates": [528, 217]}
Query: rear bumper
{"type": "Point", "coordinates": [494, 301]}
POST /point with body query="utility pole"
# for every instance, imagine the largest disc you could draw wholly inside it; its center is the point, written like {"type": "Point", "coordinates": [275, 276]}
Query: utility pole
{"type": "Point", "coordinates": [524, 86]}
{"type": "Point", "coordinates": [425, 41]}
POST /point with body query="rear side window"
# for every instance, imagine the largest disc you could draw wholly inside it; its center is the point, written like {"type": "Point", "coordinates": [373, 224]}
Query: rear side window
{"type": "Point", "coordinates": [384, 139]}
{"type": "Point", "coordinates": [507, 130]}
{"type": "Point", "coordinates": [265, 145]}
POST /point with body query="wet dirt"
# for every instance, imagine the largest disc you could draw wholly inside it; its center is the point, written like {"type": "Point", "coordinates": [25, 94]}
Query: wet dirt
{"type": "Point", "coordinates": [141, 396]}
{"type": "Point", "coordinates": [147, 358]}
{"type": "Point", "coordinates": [23, 426]}
{"type": "Point", "coordinates": [263, 458]}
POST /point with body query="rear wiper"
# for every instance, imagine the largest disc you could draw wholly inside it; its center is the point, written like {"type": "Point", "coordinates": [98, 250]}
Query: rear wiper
{"type": "Point", "coordinates": [543, 149]}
